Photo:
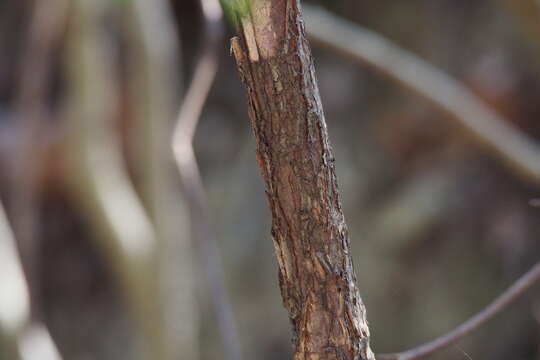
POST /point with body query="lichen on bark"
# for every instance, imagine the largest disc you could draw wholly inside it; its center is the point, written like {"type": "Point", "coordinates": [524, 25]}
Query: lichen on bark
{"type": "Point", "coordinates": [316, 274]}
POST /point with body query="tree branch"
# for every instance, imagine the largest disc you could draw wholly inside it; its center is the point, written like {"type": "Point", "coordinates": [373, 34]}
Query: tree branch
{"type": "Point", "coordinates": [514, 292]}
{"type": "Point", "coordinates": [516, 149]}
{"type": "Point", "coordinates": [311, 241]}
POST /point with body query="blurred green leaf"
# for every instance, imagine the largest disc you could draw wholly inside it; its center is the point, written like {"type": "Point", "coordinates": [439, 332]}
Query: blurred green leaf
{"type": "Point", "coordinates": [236, 10]}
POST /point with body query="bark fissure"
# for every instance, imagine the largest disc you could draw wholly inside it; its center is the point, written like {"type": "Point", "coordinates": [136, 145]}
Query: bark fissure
{"type": "Point", "coordinates": [311, 240]}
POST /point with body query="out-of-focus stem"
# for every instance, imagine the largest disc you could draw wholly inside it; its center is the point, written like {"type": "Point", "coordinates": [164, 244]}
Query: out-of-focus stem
{"type": "Point", "coordinates": [203, 76]}
{"type": "Point", "coordinates": [97, 172]}
{"type": "Point", "coordinates": [154, 87]}
{"type": "Point", "coordinates": [487, 128]}
{"type": "Point", "coordinates": [182, 144]}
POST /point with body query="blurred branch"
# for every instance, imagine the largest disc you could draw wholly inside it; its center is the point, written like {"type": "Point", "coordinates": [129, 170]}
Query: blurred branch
{"type": "Point", "coordinates": [309, 232]}
{"type": "Point", "coordinates": [98, 174]}
{"type": "Point", "coordinates": [182, 143]}
{"type": "Point", "coordinates": [19, 338]}
{"type": "Point", "coordinates": [154, 88]}
{"type": "Point", "coordinates": [46, 26]}
{"type": "Point", "coordinates": [203, 77]}
{"type": "Point", "coordinates": [514, 292]}
{"type": "Point", "coordinates": [490, 130]}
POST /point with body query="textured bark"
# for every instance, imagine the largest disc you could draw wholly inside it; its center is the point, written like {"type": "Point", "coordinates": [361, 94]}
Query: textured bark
{"type": "Point", "coordinates": [316, 274]}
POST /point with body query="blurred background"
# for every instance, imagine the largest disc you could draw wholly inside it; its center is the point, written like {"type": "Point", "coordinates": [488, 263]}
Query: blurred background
{"type": "Point", "coordinates": [133, 251]}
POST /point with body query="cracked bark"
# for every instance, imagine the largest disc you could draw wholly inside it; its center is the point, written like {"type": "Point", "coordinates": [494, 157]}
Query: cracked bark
{"type": "Point", "coordinates": [316, 275]}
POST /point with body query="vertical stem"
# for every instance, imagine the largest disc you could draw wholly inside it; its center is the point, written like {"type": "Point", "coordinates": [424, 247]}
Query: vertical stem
{"type": "Point", "coordinates": [316, 275]}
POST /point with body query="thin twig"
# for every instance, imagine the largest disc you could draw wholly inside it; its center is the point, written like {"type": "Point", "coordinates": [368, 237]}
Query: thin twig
{"type": "Point", "coordinates": [182, 143]}
{"type": "Point", "coordinates": [99, 177]}
{"type": "Point", "coordinates": [212, 263]}
{"type": "Point", "coordinates": [514, 292]}
{"type": "Point", "coordinates": [489, 129]}
{"type": "Point", "coordinates": [204, 74]}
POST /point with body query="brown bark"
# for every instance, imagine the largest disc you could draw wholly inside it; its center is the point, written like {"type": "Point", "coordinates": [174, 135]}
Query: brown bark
{"type": "Point", "coordinates": [316, 274]}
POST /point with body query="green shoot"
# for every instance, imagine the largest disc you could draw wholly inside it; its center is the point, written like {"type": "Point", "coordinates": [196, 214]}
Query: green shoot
{"type": "Point", "coordinates": [236, 10]}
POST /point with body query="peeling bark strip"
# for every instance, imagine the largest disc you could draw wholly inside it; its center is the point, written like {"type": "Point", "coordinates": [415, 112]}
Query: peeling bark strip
{"type": "Point", "coordinates": [316, 274]}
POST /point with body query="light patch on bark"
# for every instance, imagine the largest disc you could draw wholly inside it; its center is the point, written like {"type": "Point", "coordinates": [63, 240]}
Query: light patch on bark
{"type": "Point", "coordinates": [266, 35]}
{"type": "Point", "coordinates": [251, 42]}
{"type": "Point", "coordinates": [264, 30]}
